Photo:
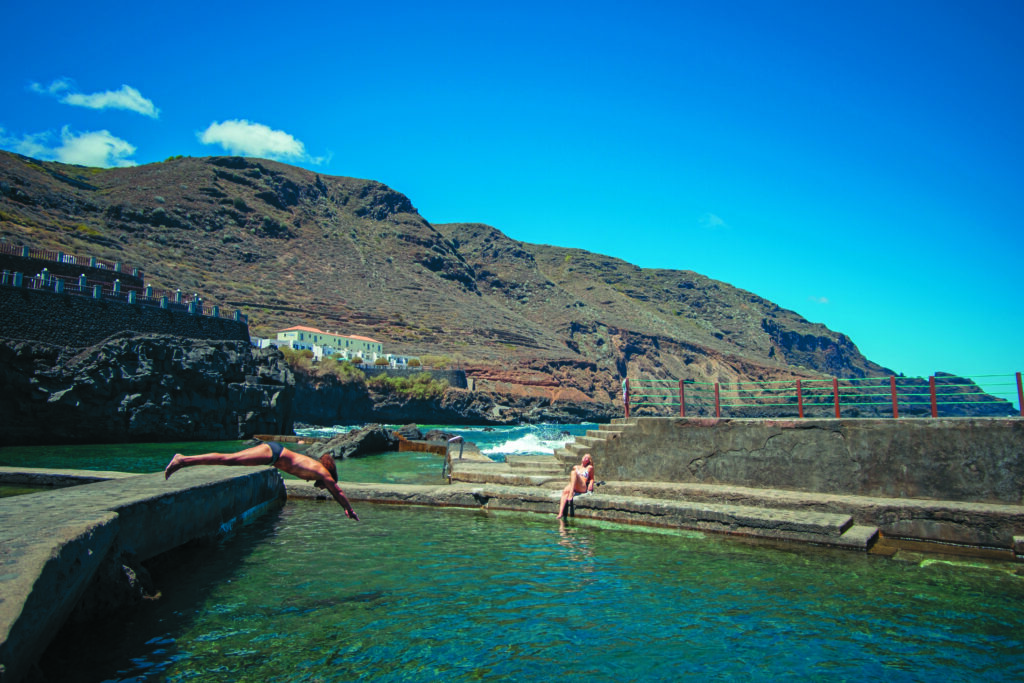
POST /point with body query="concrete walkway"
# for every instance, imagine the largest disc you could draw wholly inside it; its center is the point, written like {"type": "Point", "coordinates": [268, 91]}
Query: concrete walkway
{"type": "Point", "coordinates": [53, 544]}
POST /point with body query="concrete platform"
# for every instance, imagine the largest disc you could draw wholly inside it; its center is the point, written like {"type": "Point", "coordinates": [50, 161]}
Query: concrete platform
{"type": "Point", "coordinates": [980, 527]}
{"type": "Point", "coordinates": [806, 527]}
{"type": "Point", "coordinates": [53, 543]}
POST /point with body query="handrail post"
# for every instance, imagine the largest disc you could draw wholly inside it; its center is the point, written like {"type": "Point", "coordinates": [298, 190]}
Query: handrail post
{"type": "Point", "coordinates": [1020, 395]}
{"type": "Point", "coordinates": [800, 398]}
{"type": "Point", "coordinates": [718, 404]}
{"type": "Point", "coordinates": [835, 394]}
{"type": "Point", "coordinates": [682, 398]}
{"type": "Point", "coordinates": [931, 390]}
{"type": "Point", "coordinates": [625, 395]}
{"type": "Point", "coordinates": [895, 403]}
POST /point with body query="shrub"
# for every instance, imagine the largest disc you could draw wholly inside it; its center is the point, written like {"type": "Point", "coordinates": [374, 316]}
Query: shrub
{"type": "Point", "coordinates": [299, 359]}
{"type": "Point", "coordinates": [420, 387]}
{"type": "Point", "coordinates": [343, 370]}
{"type": "Point", "coordinates": [382, 362]}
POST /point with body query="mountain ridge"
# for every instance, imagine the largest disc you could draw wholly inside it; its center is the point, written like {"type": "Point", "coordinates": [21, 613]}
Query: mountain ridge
{"type": "Point", "coordinates": [289, 246]}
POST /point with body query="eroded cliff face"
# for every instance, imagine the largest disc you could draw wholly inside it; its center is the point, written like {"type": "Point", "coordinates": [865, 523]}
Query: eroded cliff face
{"type": "Point", "coordinates": [327, 400]}
{"type": "Point", "coordinates": [151, 388]}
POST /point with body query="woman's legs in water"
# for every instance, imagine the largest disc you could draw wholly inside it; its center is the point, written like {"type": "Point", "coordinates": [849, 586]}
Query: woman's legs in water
{"type": "Point", "coordinates": [577, 484]}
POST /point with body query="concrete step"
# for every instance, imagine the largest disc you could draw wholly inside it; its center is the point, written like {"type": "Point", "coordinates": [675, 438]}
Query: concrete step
{"type": "Point", "coordinates": [532, 461]}
{"type": "Point", "coordinates": [587, 441]}
{"type": "Point", "coordinates": [766, 514]}
{"type": "Point", "coordinates": [603, 433]}
{"type": "Point", "coordinates": [571, 454]}
{"type": "Point", "coordinates": [501, 473]}
{"type": "Point", "coordinates": [858, 537]}
{"type": "Point", "coordinates": [823, 528]}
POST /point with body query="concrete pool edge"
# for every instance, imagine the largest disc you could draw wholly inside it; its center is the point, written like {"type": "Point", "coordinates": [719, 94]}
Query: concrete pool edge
{"type": "Point", "coordinates": [851, 522]}
{"type": "Point", "coordinates": [53, 543]}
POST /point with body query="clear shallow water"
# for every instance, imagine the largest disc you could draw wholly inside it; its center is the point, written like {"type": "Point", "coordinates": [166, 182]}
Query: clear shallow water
{"type": "Point", "coordinates": [121, 457]}
{"type": "Point", "coordinates": [425, 594]}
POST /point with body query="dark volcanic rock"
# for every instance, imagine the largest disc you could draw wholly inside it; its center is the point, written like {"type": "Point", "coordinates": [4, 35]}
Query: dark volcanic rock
{"type": "Point", "coordinates": [410, 432]}
{"type": "Point", "coordinates": [142, 388]}
{"type": "Point", "coordinates": [369, 440]}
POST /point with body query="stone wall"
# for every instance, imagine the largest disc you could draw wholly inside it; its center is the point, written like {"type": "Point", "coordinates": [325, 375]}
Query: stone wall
{"type": "Point", "coordinates": [958, 459]}
{"type": "Point", "coordinates": [68, 320]}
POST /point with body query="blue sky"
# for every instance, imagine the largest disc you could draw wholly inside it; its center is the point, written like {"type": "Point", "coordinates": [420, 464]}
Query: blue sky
{"type": "Point", "coordinates": [859, 163]}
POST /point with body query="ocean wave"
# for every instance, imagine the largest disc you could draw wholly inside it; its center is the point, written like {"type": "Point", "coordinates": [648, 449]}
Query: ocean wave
{"type": "Point", "coordinates": [529, 444]}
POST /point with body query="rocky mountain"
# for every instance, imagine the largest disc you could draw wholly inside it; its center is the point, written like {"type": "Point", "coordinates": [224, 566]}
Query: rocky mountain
{"type": "Point", "coordinates": [290, 247]}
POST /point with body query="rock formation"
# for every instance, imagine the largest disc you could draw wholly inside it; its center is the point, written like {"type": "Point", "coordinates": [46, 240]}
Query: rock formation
{"type": "Point", "coordinates": [142, 388]}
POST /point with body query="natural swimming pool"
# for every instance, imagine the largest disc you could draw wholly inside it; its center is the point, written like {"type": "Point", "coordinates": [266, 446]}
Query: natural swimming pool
{"type": "Point", "coordinates": [423, 594]}
{"type": "Point", "coordinates": [426, 594]}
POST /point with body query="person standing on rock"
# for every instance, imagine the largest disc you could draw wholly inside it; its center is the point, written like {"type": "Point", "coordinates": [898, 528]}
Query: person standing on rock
{"type": "Point", "coordinates": [322, 473]}
{"type": "Point", "coordinates": [581, 480]}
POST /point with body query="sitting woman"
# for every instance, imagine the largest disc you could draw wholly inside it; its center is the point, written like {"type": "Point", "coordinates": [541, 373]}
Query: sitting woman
{"type": "Point", "coordinates": [322, 473]}
{"type": "Point", "coordinates": [581, 480]}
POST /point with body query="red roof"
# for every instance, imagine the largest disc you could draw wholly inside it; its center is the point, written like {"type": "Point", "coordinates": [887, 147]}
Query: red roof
{"type": "Point", "coordinates": [303, 328]}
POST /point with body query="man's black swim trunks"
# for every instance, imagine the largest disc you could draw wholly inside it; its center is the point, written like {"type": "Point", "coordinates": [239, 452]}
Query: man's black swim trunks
{"type": "Point", "coordinates": [276, 449]}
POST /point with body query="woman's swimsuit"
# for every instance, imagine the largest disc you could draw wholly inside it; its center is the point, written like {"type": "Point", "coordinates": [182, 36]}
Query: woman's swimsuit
{"type": "Point", "coordinates": [275, 449]}
{"type": "Point", "coordinates": [583, 472]}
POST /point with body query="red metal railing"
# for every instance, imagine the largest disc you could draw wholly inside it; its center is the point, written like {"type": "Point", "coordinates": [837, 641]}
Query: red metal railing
{"type": "Point", "coordinates": [799, 395]}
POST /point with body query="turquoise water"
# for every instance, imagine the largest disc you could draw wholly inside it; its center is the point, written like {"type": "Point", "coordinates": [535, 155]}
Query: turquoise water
{"type": "Point", "coordinates": [496, 442]}
{"type": "Point", "coordinates": [427, 594]}
{"type": "Point", "coordinates": [121, 457]}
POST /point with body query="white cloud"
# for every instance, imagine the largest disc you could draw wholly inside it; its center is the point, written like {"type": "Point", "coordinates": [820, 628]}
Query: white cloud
{"type": "Point", "coordinates": [710, 221]}
{"type": "Point", "coordinates": [254, 139]}
{"type": "Point", "coordinates": [127, 98]}
{"type": "Point", "coordinates": [55, 88]}
{"type": "Point", "coordinates": [91, 148]}
{"type": "Point", "coordinates": [818, 299]}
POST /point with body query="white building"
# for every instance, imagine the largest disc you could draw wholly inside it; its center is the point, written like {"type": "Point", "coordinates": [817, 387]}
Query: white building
{"type": "Point", "coordinates": [326, 344]}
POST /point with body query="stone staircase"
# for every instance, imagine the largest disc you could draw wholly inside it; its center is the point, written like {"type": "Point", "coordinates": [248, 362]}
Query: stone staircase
{"type": "Point", "coordinates": [517, 470]}
{"type": "Point", "coordinates": [745, 511]}
{"type": "Point", "coordinates": [593, 442]}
